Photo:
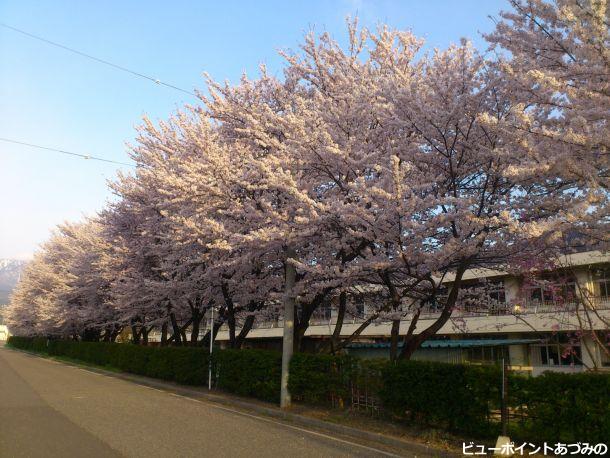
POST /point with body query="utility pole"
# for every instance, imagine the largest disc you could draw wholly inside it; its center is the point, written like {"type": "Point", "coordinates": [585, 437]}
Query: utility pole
{"type": "Point", "coordinates": [503, 439]}
{"type": "Point", "coordinates": [504, 411]}
{"type": "Point", "coordinates": [211, 347]}
{"type": "Point", "coordinates": [288, 341]}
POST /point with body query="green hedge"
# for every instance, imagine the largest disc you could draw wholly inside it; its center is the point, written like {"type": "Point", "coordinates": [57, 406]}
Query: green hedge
{"type": "Point", "coordinates": [179, 364]}
{"type": "Point", "coordinates": [35, 344]}
{"type": "Point", "coordinates": [254, 373]}
{"type": "Point", "coordinates": [462, 398]}
{"type": "Point", "coordinates": [450, 396]}
{"type": "Point", "coordinates": [328, 380]}
{"type": "Point", "coordinates": [566, 408]}
{"type": "Point", "coordinates": [319, 379]}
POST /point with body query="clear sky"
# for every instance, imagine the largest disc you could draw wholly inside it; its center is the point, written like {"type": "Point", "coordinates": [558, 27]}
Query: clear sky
{"type": "Point", "coordinates": [51, 97]}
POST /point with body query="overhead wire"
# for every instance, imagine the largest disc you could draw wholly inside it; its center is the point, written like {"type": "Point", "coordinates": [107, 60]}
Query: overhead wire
{"type": "Point", "coordinates": [97, 59]}
{"type": "Point", "coordinates": [57, 150]}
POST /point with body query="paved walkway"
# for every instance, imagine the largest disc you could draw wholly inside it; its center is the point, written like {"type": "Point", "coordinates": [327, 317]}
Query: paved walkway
{"type": "Point", "coordinates": [49, 409]}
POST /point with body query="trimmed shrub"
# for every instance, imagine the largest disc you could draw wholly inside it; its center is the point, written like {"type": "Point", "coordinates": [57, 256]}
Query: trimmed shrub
{"type": "Point", "coordinates": [254, 373]}
{"type": "Point", "coordinates": [566, 408]}
{"type": "Point", "coordinates": [320, 379]}
{"type": "Point", "coordinates": [35, 344]}
{"type": "Point", "coordinates": [450, 396]}
{"type": "Point", "coordinates": [185, 365]}
{"type": "Point", "coordinates": [188, 365]}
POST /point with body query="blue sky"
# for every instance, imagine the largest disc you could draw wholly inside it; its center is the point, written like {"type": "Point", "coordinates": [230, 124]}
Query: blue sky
{"type": "Point", "coordinates": [54, 98]}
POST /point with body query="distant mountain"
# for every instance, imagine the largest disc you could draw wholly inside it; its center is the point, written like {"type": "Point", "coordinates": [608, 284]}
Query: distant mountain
{"type": "Point", "coordinates": [9, 275]}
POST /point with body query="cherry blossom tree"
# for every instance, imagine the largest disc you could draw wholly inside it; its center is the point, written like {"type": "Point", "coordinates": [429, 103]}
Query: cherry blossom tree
{"type": "Point", "coordinates": [558, 66]}
{"type": "Point", "coordinates": [393, 158]}
{"type": "Point", "coordinates": [183, 199]}
{"type": "Point", "coordinates": [419, 183]}
{"type": "Point", "coordinates": [375, 170]}
{"type": "Point", "coordinates": [157, 285]}
{"type": "Point", "coordinates": [64, 292]}
{"type": "Point", "coordinates": [21, 315]}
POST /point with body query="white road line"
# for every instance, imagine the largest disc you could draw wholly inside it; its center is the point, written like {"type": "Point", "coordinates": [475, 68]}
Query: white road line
{"type": "Point", "coordinates": [268, 420]}
{"type": "Point", "coordinates": [315, 433]}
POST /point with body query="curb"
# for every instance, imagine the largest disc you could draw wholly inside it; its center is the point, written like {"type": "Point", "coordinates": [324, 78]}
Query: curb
{"type": "Point", "coordinates": [359, 435]}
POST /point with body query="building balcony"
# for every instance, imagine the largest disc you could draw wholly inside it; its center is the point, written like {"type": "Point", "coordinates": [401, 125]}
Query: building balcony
{"type": "Point", "coordinates": [326, 317]}
{"type": "Point", "coordinates": [529, 317]}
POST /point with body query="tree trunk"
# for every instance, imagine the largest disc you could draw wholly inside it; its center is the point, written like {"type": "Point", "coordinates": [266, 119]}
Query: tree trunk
{"type": "Point", "coordinates": [231, 324]}
{"type": "Point", "coordinates": [395, 307]}
{"type": "Point", "coordinates": [336, 336]}
{"type": "Point", "coordinates": [289, 302]}
{"type": "Point", "coordinates": [181, 332]}
{"type": "Point", "coordinates": [135, 334]}
{"type": "Point", "coordinates": [412, 327]}
{"type": "Point", "coordinates": [414, 341]}
{"type": "Point", "coordinates": [301, 325]}
{"type": "Point", "coordinates": [394, 335]}
{"type": "Point", "coordinates": [357, 332]}
{"type": "Point", "coordinates": [177, 335]}
{"type": "Point", "coordinates": [164, 334]}
{"type": "Point", "coordinates": [245, 329]}
{"type": "Point", "coordinates": [115, 333]}
{"type": "Point", "coordinates": [301, 322]}
{"type": "Point", "coordinates": [218, 322]}
{"type": "Point", "coordinates": [197, 317]}
{"type": "Point", "coordinates": [230, 310]}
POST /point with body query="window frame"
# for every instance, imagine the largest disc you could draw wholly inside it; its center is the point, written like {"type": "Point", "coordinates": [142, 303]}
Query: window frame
{"type": "Point", "coordinates": [558, 349]}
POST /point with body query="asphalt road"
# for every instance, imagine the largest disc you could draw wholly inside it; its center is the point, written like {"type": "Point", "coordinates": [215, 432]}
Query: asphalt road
{"type": "Point", "coordinates": [49, 409]}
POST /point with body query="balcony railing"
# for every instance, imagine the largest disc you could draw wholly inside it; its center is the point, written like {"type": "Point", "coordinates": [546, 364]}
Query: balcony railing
{"type": "Point", "coordinates": [327, 318]}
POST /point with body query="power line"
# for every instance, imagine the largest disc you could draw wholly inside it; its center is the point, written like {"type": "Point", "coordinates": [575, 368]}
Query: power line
{"type": "Point", "coordinates": [84, 156]}
{"type": "Point", "coordinates": [97, 59]}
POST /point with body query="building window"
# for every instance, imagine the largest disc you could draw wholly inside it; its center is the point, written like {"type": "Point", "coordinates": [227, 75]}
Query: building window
{"type": "Point", "coordinates": [437, 303]}
{"type": "Point", "coordinates": [605, 356]}
{"type": "Point", "coordinates": [359, 312]}
{"type": "Point", "coordinates": [604, 289]}
{"type": "Point", "coordinates": [601, 278]}
{"type": "Point", "coordinates": [541, 295]}
{"type": "Point", "coordinates": [322, 314]}
{"type": "Point", "coordinates": [559, 355]}
{"type": "Point", "coordinates": [356, 305]}
{"type": "Point", "coordinates": [489, 355]}
{"type": "Point", "coordinates": [483, 297]}
{"type": "Point", "coordinates": [550, 293]}
{"type": "Point", "coordinates": [497, 294]}
{"type": "Point", "coordinates": [552, 289]}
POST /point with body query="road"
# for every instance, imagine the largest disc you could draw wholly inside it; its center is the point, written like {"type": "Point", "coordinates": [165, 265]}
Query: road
{"type": "Point", "coordinates": [50, 409]}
